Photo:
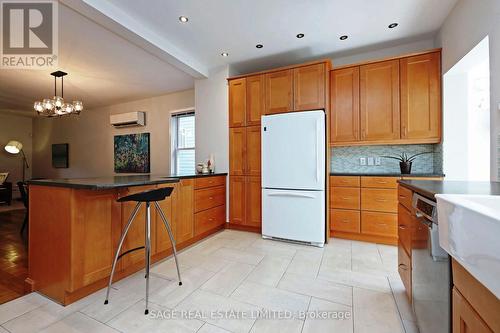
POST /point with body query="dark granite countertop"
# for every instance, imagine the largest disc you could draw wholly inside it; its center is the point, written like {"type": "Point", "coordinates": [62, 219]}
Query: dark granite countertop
{"type": "Point", "coordinates": [112, 182]}
{"type": "Point", "coordinates": [429, 188]}
{"type": "Point", "coordinates": [385, 174]}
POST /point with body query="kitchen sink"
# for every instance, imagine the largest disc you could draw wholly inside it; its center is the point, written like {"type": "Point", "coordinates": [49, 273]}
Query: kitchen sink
{"type": "Point", "coordinates": [469, 229]}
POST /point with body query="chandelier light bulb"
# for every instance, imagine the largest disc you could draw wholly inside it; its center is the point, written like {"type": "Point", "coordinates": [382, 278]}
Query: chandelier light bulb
{"type": "Point", "coordinates": [38, 106]}
{"type": "Point", "coordinates": [47, 104]}
{"type": "Point", "coordinates": [58, 101]}
{"type": "Point", "coordinates": [67, 108]}
{"type": "Point", "coordinates": [78, 105]}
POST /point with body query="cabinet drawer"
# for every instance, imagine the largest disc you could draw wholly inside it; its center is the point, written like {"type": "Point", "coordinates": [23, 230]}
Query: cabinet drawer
{"type": "Point", "coordinates": [209, 181]}
{"type": "Point", "coordinates": [404, 269]}
{"type": "Point", "coordinates": [209, 197]}
{"type": "Point", "coordinates": [345, 220]}
{"type": "Point", "coordinates": [380, 224]}
{"type": "Point", "coordinates": [405, 197]}
{"type": "Point", "coordinates": [404, 228]}
{"type": "Point", "coordinates": [209, 219]}
{"type": "Point", "coordinates": [379, 182]}
{"type": "Point", "coordinates": [379, 200]}
{"type": "Point", "coordinates": [344, 197]}
{"type": "Point", "coordinates": [344, 181]}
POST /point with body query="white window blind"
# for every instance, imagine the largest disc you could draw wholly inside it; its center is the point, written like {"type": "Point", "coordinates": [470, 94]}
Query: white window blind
{"type": "Point", "coordinates": [183, 138]}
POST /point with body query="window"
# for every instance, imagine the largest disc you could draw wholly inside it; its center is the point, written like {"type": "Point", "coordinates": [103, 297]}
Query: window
{"type": "Point", "coordinates": [183, 143]}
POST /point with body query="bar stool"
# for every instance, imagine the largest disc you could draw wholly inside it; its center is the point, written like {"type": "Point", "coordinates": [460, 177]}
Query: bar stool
{"type": "Point", "coordinates": [148, 197]}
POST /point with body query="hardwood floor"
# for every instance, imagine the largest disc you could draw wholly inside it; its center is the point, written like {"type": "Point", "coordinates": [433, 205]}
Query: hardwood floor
{"type": "Point", "coordinates": [13, 255]}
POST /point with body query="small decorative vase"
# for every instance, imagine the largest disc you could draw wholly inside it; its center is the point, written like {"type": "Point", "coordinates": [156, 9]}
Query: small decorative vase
{"type": "Point", "coordinates": [405, 167]}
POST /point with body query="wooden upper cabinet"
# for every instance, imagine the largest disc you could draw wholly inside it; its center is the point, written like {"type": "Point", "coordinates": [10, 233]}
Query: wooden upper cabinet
{"type": "Point", "coordinates": [237, 203]}
{"type": "Point", "coordinates": [254, 99]}
{"type": "Point", "coordinates": [279, 91]}
{"type": "Point", "coordinates": [253, 151]}
{"type": "Point", "coordinates": [379, 101]}
{"type": "Point", "coordinates": [344, 105]}
{"type": "Point", "coordinates": [421, 97]}
{"type": "Point", "coordinates": [237, 151]}
{"type": "Point", "coordinates": [237, 102]}
{"type": "Point", "coordinates": [309, 87]}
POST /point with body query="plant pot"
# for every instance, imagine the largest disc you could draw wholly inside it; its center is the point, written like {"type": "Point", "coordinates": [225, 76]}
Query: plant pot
{"type": "Point", "coordinates": [405, 167]}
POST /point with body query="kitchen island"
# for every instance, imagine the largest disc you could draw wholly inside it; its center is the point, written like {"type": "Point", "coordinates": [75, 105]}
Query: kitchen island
{"type": "Point", "coordinates": [75, 225]}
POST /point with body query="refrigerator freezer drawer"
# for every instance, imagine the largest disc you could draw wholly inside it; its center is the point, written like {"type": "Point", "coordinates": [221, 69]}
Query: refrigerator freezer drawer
{"type": "Point", "coordinates": [294, 215]}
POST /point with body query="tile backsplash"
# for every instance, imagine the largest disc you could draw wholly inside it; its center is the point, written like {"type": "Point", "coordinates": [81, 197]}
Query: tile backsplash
{"type": "Point", "coordinates": [347, 159]}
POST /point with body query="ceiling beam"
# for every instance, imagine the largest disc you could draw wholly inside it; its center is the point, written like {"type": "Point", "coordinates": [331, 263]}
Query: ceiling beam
{"type": "Point", "coordinates": [117, 21]}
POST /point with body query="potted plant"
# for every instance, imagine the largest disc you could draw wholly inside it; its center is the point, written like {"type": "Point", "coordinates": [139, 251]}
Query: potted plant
{"type": "Point", "coordinates": [405, 161]}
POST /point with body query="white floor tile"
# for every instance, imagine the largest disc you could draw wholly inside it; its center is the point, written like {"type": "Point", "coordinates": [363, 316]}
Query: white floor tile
{"type": "Point", "coordinates": [306, 262]}
{"type": "Point", "coordinates": [219, 310]}
{"type": "Point", "coordinates": [167, 269]}
{"type": "Point", "coordinates": [410, 327]}
{"type": "Point", "coordinates": [338, 317]}
{"type": "Point", "coordinates": [402, 301]}
{"type": "Point", "coordinates": [209, 328]}
{"type": "Point", "coordinates": [277, 326]}
{"type": "Point", "coordinates": [242, 256]}
{"type": "Point", "coordinates": [272, 248]}
{"type": "Point", "coordinates": [375, 312]}
{"type": "Point", "coordinates": [78, 323]}
{"type": "Point", "coordinates": [228, 279]}
{"type": "Point", "coordinates": [355, 279]}
{"type": "Point", "coordinates": [20, 306]}
{"type": "Point", "coordinates": [317, 287]}
{"type": "Point", "coordinates": [270, 298]}
{"type": "Point", "coordinates": [172, 294]}
{"type": "Point", "coordinates": [3, 330]}
{"type": "Point", "coordinates": [269, 271]}
{"type": "Point", "coordinates": [134, 320]}
{"type": "Point", "coordinates": [119, 300]}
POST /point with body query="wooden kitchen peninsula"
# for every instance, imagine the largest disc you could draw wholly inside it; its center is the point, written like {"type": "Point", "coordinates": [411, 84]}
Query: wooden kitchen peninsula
{"type": "Point", "coordinates": [75, 225]}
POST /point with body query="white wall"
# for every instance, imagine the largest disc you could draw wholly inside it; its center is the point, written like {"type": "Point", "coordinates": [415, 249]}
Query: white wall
{"type": "Point", "coordinates": [211, 104]}
{"type": "Point", "coordinates": [19, 128]}
{"type": "Point", "coordinates": [468, 23]}
{"type": "Point", "coordinates": [90, 137]}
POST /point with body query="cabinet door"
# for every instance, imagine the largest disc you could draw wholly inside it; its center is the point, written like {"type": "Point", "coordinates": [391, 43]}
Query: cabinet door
{"type": "Point", "coordinates": [279, 92]}
{"type": "Point", "coordinates": [404, 228]}
{"type": "Point", "coordinates": [309, 87]}
{"type": "Point", "coordinates": [379, 106]}
{"type": "Point", "coordinates": [421, 97]}
{"type": "Point", "coordinates": [255, 99]}
{"type": "Point", "coordinates": [237, 204]}
{"type": "Point", "coordinates": [465, 319]}
{"type": "Point", "coordinates": [161, 241]}
{"type": "Point", "coordinates": [184, 210]}
{"type": "Point", "coordinates": [344, 102]}
{"type": "Point", "coordinates": [253, 151]}
{"type": "Point", "coordinates": [237, 151]}
{"type": "Point", "coordinates": [253, 202]}
{"type": "Point", "coordinates": [237, 102]}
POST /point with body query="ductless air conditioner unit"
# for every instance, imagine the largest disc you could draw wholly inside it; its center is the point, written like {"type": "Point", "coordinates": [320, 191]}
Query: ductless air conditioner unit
{"type": "Point", "coordinates": [128, 119]}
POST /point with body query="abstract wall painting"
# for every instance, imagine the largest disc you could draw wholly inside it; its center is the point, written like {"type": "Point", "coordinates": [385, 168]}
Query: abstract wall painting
{"type": "Point", "coordinates": [132, 153]}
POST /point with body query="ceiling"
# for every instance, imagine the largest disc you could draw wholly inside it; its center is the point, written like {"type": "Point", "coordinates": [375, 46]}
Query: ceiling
{"type": "Point", "coordinates": [103, 68]}
{"type": "Point", "coordinates": [236, 26]}
{"type": "Point", "coordinates": [122, 50]}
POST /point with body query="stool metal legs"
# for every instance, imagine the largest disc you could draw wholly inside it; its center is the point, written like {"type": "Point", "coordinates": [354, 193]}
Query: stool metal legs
{"type": "Point", "coordinates": [147, 236]}
{"type": "Point", "coordinates": [117, 254]}
{"type": "Point", "coordinates": [172, 240]}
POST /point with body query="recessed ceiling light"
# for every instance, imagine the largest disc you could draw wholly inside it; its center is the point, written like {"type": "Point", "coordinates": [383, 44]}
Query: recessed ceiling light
{"type": "Point", "coordinates": [344, 37]}
{"type": "Point", "coordinates": [393, 25]}
{"type": "Point", "coordinates": [300, 35]}
{"type": "Point", "coordinates": [183, 19]}
{"type": "Point", "coordinates": [224, 54]}
{"type": "Point", "coordinates": [259, 46]}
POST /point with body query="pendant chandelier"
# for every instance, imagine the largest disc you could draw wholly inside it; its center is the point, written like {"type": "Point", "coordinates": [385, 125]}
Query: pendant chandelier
{"type": "Point", "coordinates": [56, 106]}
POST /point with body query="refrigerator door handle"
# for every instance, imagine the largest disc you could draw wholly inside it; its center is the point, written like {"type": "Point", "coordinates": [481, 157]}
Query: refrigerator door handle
{"type": "Point", "coordinates": [318, 144]}
{"type": "Point", "coordinates": [290, 194]}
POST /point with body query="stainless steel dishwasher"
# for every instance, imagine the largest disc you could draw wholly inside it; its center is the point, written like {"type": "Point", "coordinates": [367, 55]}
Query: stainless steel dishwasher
{"type": "Point", "coordinates": [431, 273]}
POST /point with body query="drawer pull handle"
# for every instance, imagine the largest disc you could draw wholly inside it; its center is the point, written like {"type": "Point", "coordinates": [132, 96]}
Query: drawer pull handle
{"type": "Point", "coordinates": [381, 200]}
{"type": "Point", "coordinates": [211, 198]}
{"type": "Point", "coordinates": [381, 182]}
{"type": "Point", "coordinates": [382, 224]}
{"type": "Point", "coordinates": [345, 221]}
{"type": "Point", "coordinates": [210, 219]}
{"type": "Point", "coordinates": [403, 267]}
{"type": "Point", "coordinates": [402, 226]}
{"type": "Point", "coordinates": [402, 196]}
{"type": "Point", "coordinates": [345, 198]}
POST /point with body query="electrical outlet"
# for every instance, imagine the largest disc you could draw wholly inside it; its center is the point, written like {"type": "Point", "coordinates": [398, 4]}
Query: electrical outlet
{"type": "Point", "coordinates": [362, 161]}
{"type": "Point", "coordinates": [378, 161]}
{"type": "Point", "coordinates": [371, 161]}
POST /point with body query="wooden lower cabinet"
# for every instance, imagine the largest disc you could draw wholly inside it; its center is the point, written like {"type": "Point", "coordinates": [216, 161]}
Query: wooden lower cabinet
{"type": "Point", "coordinates": [379, 200]}
{"type": "Point", "coordinates": [465, 319]}
{"type": "Point", "coordinates": [379, 224]}
{"type": "Point", "coordinates": [404, 269]}
{"type": "Point", "coordinates": [345, 220]}
{"type": "Point", "coordinates": [72, 244]}
{"type": "Point", "coordinates": [245, 201]}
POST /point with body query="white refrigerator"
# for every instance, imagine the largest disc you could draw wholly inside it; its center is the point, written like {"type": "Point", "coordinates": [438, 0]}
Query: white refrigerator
{"type": "Point", "coordinates": [293, 177]}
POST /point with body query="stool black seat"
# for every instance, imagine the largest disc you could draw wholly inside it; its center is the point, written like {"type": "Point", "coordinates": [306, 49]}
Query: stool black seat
{"type": "Point", "coordinates": [151, 195]}
{"type": "Point", "coordinates": [146, 197]}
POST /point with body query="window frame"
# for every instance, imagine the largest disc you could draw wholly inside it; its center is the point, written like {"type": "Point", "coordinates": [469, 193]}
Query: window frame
{"type": "Point", "coordinates": [174, 137]}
